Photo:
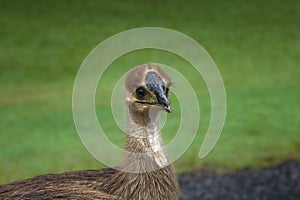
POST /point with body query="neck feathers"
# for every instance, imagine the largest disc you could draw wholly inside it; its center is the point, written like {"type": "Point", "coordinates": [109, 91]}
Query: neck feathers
{"type": "Point", "coordinates": [144, 147]}
{"type": "Point", "coordinates": [145, 172]}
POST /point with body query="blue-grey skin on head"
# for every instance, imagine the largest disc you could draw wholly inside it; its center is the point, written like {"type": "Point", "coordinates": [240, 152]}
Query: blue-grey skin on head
{"type": "Point", "coordinates": [157, 85]}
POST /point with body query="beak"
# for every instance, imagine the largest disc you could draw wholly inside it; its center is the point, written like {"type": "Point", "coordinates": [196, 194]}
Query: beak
{"type": "Point", "coordinates": [155, 83]}
{"type": "Point", "coordinates": [164, 101]}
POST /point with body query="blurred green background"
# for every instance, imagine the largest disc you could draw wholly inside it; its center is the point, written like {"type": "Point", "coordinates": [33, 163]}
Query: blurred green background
{"type": "Point", "coordinates": [255, 44]}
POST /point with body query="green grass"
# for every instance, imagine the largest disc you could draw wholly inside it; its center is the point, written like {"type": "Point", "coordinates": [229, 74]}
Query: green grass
{"type": "Point", "coordinates": [255, 44]}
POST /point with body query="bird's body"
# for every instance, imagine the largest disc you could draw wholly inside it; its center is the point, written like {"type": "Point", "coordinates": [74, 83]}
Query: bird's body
{"type": "Point", "coordinates": [145, 173]}
{"type": "Point", "coordinates": [79, 185]}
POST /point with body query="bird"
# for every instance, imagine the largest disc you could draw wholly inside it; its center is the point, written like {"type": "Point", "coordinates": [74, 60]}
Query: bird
{"type": "Point", "coordinates": [145, 172]}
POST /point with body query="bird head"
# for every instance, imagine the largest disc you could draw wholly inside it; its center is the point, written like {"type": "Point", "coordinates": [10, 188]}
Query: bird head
{"type": "Point", "coordinates": [147, 86]}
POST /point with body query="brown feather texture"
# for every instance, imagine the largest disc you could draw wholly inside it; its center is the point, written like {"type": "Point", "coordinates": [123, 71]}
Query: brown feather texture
{"type": "Point", "coordinates": [145, 172]}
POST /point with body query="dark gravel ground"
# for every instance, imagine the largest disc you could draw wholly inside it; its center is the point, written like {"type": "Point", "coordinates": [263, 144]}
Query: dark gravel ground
{"type": "Point", "coordinates": [281, 182]}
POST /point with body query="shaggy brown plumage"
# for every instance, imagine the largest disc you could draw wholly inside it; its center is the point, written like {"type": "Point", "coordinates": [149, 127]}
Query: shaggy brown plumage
{"type": "Point", "coordinates": [78, 185]}
{"type": "Point", "coordinates": [145, 173]}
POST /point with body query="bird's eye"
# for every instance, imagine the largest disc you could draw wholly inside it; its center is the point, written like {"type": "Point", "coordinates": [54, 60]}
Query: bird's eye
{"type": "Point", "coordinates": [140, 92]}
